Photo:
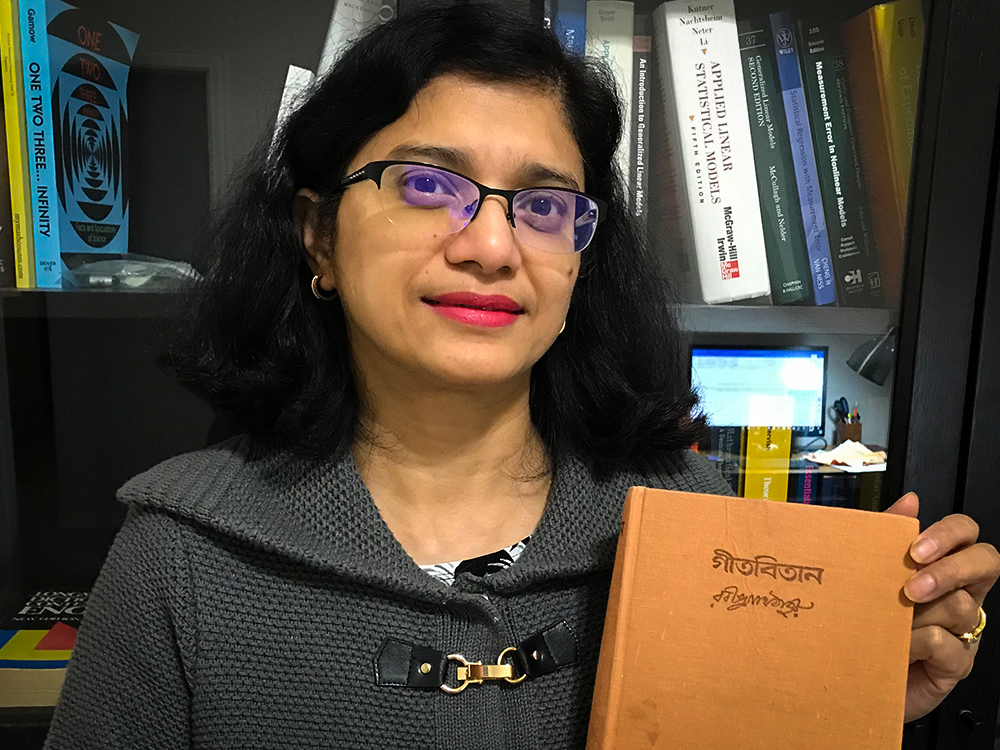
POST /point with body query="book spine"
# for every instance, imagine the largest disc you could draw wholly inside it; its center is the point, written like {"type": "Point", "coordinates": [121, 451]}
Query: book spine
{"type": "Point", "coordinates": [727, 444]}
{"type": "Point", "coordinates": [38, 107]}
{"type": "Point", "coordinates": [610, 28]}
{"type": "Point", "coordinates": [813, 219]}
{"type": "Point", "coordinates": [870, 493]}
{"type": "Point", "coordinates": [608, 685]}
{"type": "Point", "coordinates": [839, 489]}
{"type": "Point", "coordinates": [698, 59]}
{"type": "Point", "coordinates": [571, 25]}
{"type": "Point", "coordinates": [845, 201]}
{"type": "Point", "coordinates": [808, 494]}
{"type": "Point", "coordinates": [900, 29]}
{"type": "Point", "coordinates": [784, 237]}
{"type": "Point", "coordinates": [768, 452]}
{"type": "Point", "coordinates": [17, 147]}
{"type": "Point", "coordinates": [8, 275]}
{"type": "Point", "coordinates": [861, 49]}
{"type": "Point", "coordinates": [642, 45]}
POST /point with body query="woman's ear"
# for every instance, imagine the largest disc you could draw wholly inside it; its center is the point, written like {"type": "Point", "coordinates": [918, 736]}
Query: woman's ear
{"type": "Point", "coordinates": [314, 239]}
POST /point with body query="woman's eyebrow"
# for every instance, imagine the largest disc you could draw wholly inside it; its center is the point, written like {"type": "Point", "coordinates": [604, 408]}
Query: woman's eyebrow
{"type": "Point", "coordinates": [445, 156]}
{"type": "Point", "coordinates": [534, 173]}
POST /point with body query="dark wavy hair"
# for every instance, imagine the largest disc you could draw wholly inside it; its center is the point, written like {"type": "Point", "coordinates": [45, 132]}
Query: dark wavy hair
{"type": "Point", "coordinates": [613, 388]}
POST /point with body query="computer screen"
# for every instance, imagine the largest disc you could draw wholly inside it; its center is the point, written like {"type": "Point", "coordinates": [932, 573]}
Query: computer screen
{"type": "Point", "coordinates": [762, 386]}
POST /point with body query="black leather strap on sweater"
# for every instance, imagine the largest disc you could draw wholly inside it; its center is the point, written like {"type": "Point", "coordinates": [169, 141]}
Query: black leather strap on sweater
{"type": "Point", "coordinates": [546, 651]}
{"type": "Point", "coordinates": [400, 663]}
{"type": "Point", "coordinates": [403, 664]}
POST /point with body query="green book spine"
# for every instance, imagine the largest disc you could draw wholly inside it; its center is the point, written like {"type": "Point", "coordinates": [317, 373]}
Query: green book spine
{"type": "Point", "coordinates": [842, 181]}
{"type": "Point", "coordinates": [784, 235]}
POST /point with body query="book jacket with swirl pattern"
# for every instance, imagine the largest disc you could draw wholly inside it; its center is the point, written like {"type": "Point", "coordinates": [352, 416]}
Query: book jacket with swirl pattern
{"type": "Point", "coordinates": [737, 624]}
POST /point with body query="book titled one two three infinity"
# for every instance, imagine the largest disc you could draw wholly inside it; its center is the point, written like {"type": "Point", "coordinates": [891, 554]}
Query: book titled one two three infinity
{"type": "Point", "coordinates": [66, 113]}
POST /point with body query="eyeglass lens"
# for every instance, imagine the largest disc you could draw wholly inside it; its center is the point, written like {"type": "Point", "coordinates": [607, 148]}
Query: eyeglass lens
{"type": "Point", "coordinates": [427, 200]}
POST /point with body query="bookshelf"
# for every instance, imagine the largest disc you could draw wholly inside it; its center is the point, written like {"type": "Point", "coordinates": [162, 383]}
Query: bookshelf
{"type": "Point", "coordinates": [694, 318]}
{"type": "Point", "coordinates": [90, 304]}
{"type": "Point", "coordinates": [768, 319]}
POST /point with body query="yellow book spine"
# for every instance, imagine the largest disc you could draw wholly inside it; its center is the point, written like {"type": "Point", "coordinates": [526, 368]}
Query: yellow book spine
{"type": "Point", "coordinates": [768, 452]}
{"type": "Point", "coordinates": [17, 145]}
{"type": "Point", "coordinates": [899, 27]}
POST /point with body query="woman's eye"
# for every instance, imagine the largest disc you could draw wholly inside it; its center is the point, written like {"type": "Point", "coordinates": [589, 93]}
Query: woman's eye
{"type": "Point", "coordinates": [429, 183]}
{"type": "Point", "coordinates": [541, 206]}
{"type": "Point", "coordinates": [550, 205]}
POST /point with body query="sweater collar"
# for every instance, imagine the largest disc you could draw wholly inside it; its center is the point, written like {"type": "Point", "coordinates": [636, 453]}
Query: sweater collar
{"type": "Point", "coordinates": [321, 514]}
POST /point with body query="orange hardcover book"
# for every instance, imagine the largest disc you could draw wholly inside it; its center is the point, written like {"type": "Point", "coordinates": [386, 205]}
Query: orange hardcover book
{"type": "Point", "coordinates": [738, 624]}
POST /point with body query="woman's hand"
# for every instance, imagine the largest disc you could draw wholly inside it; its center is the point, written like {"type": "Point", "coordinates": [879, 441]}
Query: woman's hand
{"type": "Point", "coordinates": [953, 576]}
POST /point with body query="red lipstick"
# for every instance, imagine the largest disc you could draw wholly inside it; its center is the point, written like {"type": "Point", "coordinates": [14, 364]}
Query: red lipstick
{"type": "Point", "coordinates": [486, 311]}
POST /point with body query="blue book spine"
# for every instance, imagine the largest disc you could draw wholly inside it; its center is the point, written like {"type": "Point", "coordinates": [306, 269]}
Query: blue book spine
{"type": "Point", "coordinates": [571, 25]}
{"type": "Point", "coordinates": [804, 158]}
{"type": "Point", "coordinates": [90, 60]}
{"type": "Point", "coordinates": [41, 155]}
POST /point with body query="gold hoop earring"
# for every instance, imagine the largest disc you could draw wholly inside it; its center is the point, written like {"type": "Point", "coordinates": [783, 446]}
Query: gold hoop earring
{"type": "Point", "coordinates": [318, 293]}
{"type": "Point", "coordinates": [562, 329]}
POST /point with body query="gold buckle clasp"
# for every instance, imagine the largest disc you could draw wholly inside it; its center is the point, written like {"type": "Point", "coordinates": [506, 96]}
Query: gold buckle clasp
{"type": "Point", "coordinates": [475, 672]}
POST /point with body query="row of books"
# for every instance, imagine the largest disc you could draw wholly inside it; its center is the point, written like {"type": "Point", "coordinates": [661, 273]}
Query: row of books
{"type": "Point", "coordinates": [65, 110]}
{"type": "Point", "coordinates": [757, 462]}
{"type": "Point", "coordinates": [815, 113]}
{"type": "Point", "coordinates": [36, 640]}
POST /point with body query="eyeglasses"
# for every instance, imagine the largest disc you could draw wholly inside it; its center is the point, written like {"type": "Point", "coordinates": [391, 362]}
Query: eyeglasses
{"type": "Point", "coordinates": [431, 200]}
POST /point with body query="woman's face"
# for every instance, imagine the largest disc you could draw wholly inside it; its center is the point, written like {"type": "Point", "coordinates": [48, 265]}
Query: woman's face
{"type": "Point", "coordinates": [402, 292]}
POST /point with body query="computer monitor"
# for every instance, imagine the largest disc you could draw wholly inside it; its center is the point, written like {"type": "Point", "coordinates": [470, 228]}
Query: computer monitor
{"type": "Point", "coordinates": [764, 385]}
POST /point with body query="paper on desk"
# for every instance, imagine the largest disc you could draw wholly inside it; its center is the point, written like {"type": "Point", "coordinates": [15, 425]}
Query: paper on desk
{"type": "Point", "coordinates": [850, 456]}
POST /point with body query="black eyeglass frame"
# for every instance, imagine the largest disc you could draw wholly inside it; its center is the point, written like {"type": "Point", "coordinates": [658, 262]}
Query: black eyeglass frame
{"type": "Point", "coordinates": [373, 171]}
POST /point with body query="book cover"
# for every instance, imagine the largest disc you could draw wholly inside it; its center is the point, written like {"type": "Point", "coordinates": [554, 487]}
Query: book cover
{"type": "Point", "coordinates": [842, 187]}
{"type": "Point", "coordinates": [883, 48]}
{"type": "Point", "coordinates": [610, 27]}
{"type": "Point", "coordinates": [16, 146]}
{"type": "Point", "coordinates": [784, 236]}
{"type": "Point", "coordinates": [36, 641]}
{"type": "Point", "coordinates": [89, 60]}
{"type": "Point", "coordinates": [642, 47]}
{"type": "Point", "coordinates": [732, 622]}
{"type": "Point", "coordinates": [700, 74]}
{"type": "Point", "coordinates": [350, 18]}
{"type": "Point", "coordinates": [41, 144]}
{"type": "Point", "coordinates": [571, 25]}
{"type": "Point", "coordinates": [804, 157]}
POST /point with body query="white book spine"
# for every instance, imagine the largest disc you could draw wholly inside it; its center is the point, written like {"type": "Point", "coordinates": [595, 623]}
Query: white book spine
{"type": "Point", "coordinates": [698, 54]}
{"type": "Point", "coordinates": [610, 28]}
{"type": "Point", "coordinates": [349, 20]}
{"type": "Point", "coordinates": [298, 81]}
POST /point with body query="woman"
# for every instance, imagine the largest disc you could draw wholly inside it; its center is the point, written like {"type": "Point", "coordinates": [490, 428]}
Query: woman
{"type": "Point", "coordinates": [429, 371]}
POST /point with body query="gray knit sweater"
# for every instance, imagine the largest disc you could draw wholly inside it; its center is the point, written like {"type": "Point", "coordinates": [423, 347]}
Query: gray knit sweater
{"type": "Point", "coordinates": [247, 594]}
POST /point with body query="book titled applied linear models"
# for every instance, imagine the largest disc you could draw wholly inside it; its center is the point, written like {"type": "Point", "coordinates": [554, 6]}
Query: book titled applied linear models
{"type": "Point", "coordinates": [700, 73]}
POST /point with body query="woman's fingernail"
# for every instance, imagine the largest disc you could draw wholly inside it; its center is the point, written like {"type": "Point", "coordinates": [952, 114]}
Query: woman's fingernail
{"type": "Point", "coordinates": [922, 550]}
{"type": "Point", "coordinates": [919, 587]}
